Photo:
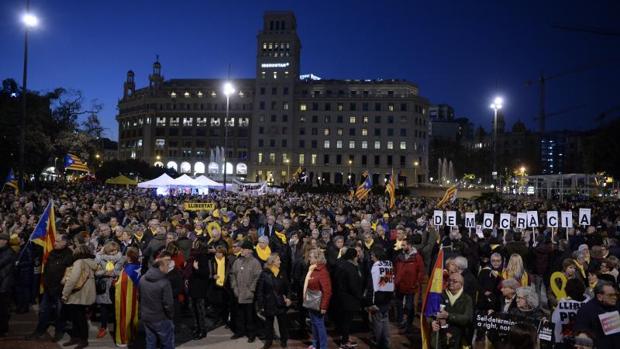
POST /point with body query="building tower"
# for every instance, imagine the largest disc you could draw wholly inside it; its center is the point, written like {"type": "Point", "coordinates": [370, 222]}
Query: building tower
{"type": "Point", "coordinates": [156, 79]}
{"type": "Point", "coordinates": [277, 71]}
{"type": "Point", "coordinates": [129, 87]}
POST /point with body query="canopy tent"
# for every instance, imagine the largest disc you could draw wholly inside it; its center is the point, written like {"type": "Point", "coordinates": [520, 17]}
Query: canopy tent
{"type": "Point", "coordinates": [185, 181]}
{"type": "Point", "coordinates": [208, 182]}
{"type": "Point", "coordinates": [162, 181]}
{"type": "Point", "coordinates": [121, 180]}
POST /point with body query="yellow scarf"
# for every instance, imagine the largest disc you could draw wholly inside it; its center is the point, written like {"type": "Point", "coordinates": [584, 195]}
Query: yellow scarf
{"type": "Point", "coordinates": [453, 297]}
{"type": "Point", "coordinates": [275, 270]}
{"type": "Point", "coordinates": [263, 253]}
{"type": "Point", "coordinates": [237, 254]}
{"type": "Point", "coordinates": [138, 236]}
{"type": "Point", "coordinates": [340, 252]}
{"type": "Point", "coordinates": [369, 244]}
{"type": "Point", "coordinates": [524, 278]}
{"type": "Point", "coordinates": [221, 271]}
{"type": "Point", "coordinates": [581, 269]}
{"type": "Point", "coordinates": [281, 236]}
{"type": "Point", "coordinates": [398, 245]}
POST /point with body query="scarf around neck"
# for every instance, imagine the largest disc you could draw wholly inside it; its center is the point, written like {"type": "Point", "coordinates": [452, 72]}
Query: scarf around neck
{"type": "Point", "coordinates": [221, 270]}
{"type": "Point", "coordinates": [263, 253]}
{"type": "Point", "coordinates": [454, 297]}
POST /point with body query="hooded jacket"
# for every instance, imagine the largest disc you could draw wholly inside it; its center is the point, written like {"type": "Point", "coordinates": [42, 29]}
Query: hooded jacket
{"type": "Point", "coordinates": [156, 301]}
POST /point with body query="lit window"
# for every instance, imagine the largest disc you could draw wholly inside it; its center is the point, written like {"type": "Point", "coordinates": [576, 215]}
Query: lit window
{"type": "Point", "coordinates": [391, 107]}
{"type": "Point", "coordinates": [260, 158]}
{"type": "Point", "coordinates": [199, 94]}
{"type": "Point", "coordinates": [174, 121]}
{"type": "Point", "coordinates": [139, 143]}
{"type": "Point", "coordinates": [365, 119]}
{"type": "Point", "coordinates": [339, 144]}
{"type": "Point", "coordinates": [351, 119]}
{"type": "Point", "coordinates": [272, 158]}
{"type": "Point", "coordinates": [302, 159]}
{"type": "Point", "coordinates": [390, 145]}
{"type": "Point", "coordinates": [326, 132]}
{"type": "Point", "coordinates": [284, 158]}
{"type": "Point", "coordinates": [188, 121]}
{"type": "Point", "coordinates": [377, 145]}
{"type": "Point", "coordinates": [326, 144]}
{"type": "Point", "coordinates": [263, 75]}
{"type": "Point", "coordinates": [403, 145]}
{"type": "Point", "coordinates": [364, 132]}
{"type": "Point", "coordinates": [339, 132]}
{"type": "Point", "coordinates": [186, 94]}
{"type": "Point", "coordinates": [161, 121]}
{"type": "Point", "coordinates": [201, 121]}
{"type": "Point", "coordinates": [351, 144]}
{"type": "Point", "coordinates": [313, 159]}
{"type": "Point", "coordinates": [213, 94]}
{"type": "Point", "coordinates": [303, 107]}
{"type": "Point", "coordinates": [160, 143]}
{"type": "Point", "coordinates": [133, 154]}
{"type": "Point", "coordinates": [173, 94]}
{"type": "Point", "coordinates": [364, 144]}
{"type": "Point", "coordinates": [244, 122]}
{"type": "Point", "coordinates": [215, 122]}
{"type": "Point", "coordinates": [285, 106]}
{"type": "Point", "coordinates": [275, 75]}
{"type": "Point", "coordinates": [339, 107]}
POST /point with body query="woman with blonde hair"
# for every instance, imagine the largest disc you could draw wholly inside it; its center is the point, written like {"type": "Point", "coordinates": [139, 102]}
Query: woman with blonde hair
{"type": "Point", "coordinates": [515, 270]}
{"type": "Point", "coordinates": [316, 295]}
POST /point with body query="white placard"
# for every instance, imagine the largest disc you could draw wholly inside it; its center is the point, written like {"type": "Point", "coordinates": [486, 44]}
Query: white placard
{"type": "Point", "coordinates": [567, 219]}
{"type": "Point", "coordinates": [470, 219]}
{"type": "Point", "coordinates": [451, 218]}
{"type": "Point", "coordinates": [504, 221]}
{"type": "Point", "coordinates": [438, 218]}
{"type": "Point", "coordinates": [584, 216]}
{"type": "Point", "coordinates": [521, 220]}
{"type": "Point", "coordinates": [487, 221]}
{"type": "Point", "coordinates": [552, 219]}
{"type": "Point", "coordinates": [532, 219]}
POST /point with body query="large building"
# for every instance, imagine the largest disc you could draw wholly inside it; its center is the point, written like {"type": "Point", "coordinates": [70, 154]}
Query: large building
{"type": "Point", "coordinates": [278, 121]}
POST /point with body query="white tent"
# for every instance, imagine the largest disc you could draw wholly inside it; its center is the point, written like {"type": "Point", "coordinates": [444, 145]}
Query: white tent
{"type": "Point", "coordinates": [162, 181]}
{"type": "Point", "coordinates": [208, 182]}
{"type": "Point", "coordinates": [185, 181]}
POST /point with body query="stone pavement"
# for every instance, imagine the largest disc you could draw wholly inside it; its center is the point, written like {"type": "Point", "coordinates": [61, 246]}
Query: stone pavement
{"type": "Point", "coordinates": [21, 325]}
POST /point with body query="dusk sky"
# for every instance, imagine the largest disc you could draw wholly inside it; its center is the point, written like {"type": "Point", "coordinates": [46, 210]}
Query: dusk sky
{"type": "Point", "coordinates": [461, 53]}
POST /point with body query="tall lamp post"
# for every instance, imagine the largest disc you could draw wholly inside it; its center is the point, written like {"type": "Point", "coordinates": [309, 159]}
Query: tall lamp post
{"type": "Point", "coordinates": [30, 21]}
{"type": "Point", "coordinates": [229, 89]}
{"type": "Point", "coordinates": [415, 172]}
{"type": "Point", "coordinates": [496, 105]}
{"type": "Point", "coordinates": [288, 169]}
{"type": "Point", "coordinates": [349, 176]}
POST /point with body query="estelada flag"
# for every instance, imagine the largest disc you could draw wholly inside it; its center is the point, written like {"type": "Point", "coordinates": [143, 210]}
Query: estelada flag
{"type": "Point", "coordinates": [431, 300]}
{"type": "Point", "coordinates": [44, 235]}
{"type": "Point", "coordinates": [72, 162]}
{"type": "Point", "coordinates": [126, 303]}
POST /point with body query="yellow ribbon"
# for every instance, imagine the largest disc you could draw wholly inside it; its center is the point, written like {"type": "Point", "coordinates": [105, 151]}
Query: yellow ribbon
{"type": "Point", "coordinates": [558, 291]}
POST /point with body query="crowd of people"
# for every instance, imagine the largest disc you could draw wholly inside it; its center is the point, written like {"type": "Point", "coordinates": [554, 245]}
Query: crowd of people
{"type": "Point", "coordinates": [278, 266]}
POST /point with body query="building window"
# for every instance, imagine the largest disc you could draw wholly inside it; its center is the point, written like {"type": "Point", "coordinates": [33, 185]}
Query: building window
{"type": "Point", "coordinates": [390, 145]}
{"type": "Point", "coordinates": [364, 144]}
{"type": "Point", "coordinates": [315, 131]}
{"type": "Point", "coordinates": [313, 144]}
{"type": "Point", "coordinates": [389, 160]}
{"type": "Point", "coordinates": [351, 132]}
{"type": "Point", "coordinates": [174, 121]}
{"type": "Point", "coordinates": [352, 107]}
{"type": "Point", "coordinates": [338, 144]}
{"type": "Point", "coordinates": [403, 132]}
{"type": "Point", "coordinates": [365, 105]}
{"type": "Point", "coordinates": [351, 119]}
{"type": "Point", "coordinates": [160, 143]}
{"type": "Point", "coordinates": [201, 121]}
{"type": "Point", "coordinates": [326, 159]}
{"type": "Point", "coordinates": [390, 119]}
{"type": "Point", "coordinates": [339, 131]}
{"type": "Point", "coordinates": [377, 132]}
{"type": "Point", "coordinates": [273, 118]}
{"type": "Point", "coordinates": [215, 122]}
{"type": "Point", "coordinates": [302, 131]}
{"type": "Point", "coordinates": [327, 119]}
{"type": "Point", "coordinates": [377, 145]}
{"type": "Point", "coordinates": [326, 132]}
{"type": "Point", "coordinates": [364, 132]}
{"type": "Point", "coordinates": [173, 94]}
{"type": "Point", "coordinates": [313, 159]}
{"type": "Point", "coordinates": [339, 107]}
{"type": "Point", "coordinates": [403, 107]}
{"type": "Point", "coordinates": [364, 160]}
{"type": "Point", "coordinates": [303, 107]}
{"type": "Point", "coordinates": [403, 145]}
{"type": "Point", "coordinates": [326, 144]}
{"type": "Point", "coordinates": [302, 159]}
{"type": "Point", "coordinates": [390, 132]}
{"type": "Point", "coordinates": [351, 144]}
{"type": "Point", "coordinates": [285, 106]}
{"type": "Point", "coordinates": [260, 158]}
{"type": "Point", "coordinates": [186, 94]}
{"type": "Point", "coordinates": [377, 119]}
{"type": "Point", "coordinates": [161, 121]}
{"type": "Point", "coordinates": [377, 106]}
{"type": "Point", "coordinates": [261, 130]}
{"type": "Point", "coordinates": [272, 158]}
{"type": "Point", "coordinates": [390, 107]}
{"type": "Point", "coordinates": [315, 119]}
{"type": "Point", "coordinates": [261, 143]}
{"type": "Point", "coordinates": [188, 121]}
{"type": "Point", "coordinates": [339, 159]}
{"type": "Point", "coordinates": [302, 143]}
{"type": "Point", "coordinates": [377, 160]}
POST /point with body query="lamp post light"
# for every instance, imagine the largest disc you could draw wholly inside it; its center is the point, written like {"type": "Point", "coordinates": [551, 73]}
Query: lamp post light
{"type": "Point", "coordinates": [350, 163]}
{"type": "Point", "coordinates": [496, 105]}
{"type": "Point", "coordinates": [229, 89]}
{"type": "Point", "coordinates": [415, 172]}
{"type": "Point", "coordinates": [288, 169]}
{"type": "Point", "coordinates": [30, 21]}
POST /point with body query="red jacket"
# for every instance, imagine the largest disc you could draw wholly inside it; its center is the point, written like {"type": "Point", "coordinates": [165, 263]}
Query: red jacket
{"type": "Point", "coordinates": [409, 273]}
{"type": "Point", "coordinates": [320, 281]}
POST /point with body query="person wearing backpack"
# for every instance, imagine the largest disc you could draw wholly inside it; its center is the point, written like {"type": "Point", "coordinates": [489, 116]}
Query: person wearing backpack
{"type": "Point", "coordinates": [78, 293]}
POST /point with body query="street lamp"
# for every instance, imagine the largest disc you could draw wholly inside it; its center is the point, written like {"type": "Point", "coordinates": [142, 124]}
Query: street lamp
{"type": "Point", "coordinates": [350, 163]}
{"type": "Point", "coordinates": [415, 172]}
{"type": "Point", "coordinates": [288, 169]}
{"type": "Point", "coordinates": [229, 89]}
{"type": "Point", "coordinates": [496, 105]}
{"type": "Point", "coordinates": [30, 21]}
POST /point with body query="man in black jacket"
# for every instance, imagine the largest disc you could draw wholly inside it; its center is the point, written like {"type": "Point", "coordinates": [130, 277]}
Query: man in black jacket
{"type": "Point", "coordinates": [50, 307]}
{"type": "Point", "coordinates": [7, 260]}
{"type": "Point", "coordinates": [349, 286]}
{"type": "Point", "coordinates": [157, 305]}
{"type": "Point", "coordinates": [602, 309]}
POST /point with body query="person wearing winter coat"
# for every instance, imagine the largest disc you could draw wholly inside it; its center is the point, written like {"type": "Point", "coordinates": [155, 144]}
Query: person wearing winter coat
{"type": "Point", "coordinates": [272, 292]}
{"type": "Point", "coordinates": [7, 261]}
{"type": "Point", "coordinates": [317, 279]}
{"type": "Point", "coordinates": [217, 296]}
{"type": "Point", "coordinates": [349, 287]}
{"type": "Point", "coordinates": [78, 293]}
{"type": "Point", "coordinates": [157, 305]}
{"type": "Point", "coordinates": [243, 279]}
{"type": "Point", "coordinates": [109, 265]}
{"type": "Point", "coordinates": [409, 270]}
{"type": "Point", "coordinates": [457, 314]}
{"type": "Point", "coordinates": [605, 301]}
{"type": "Point", "coordinates": [198, 284]}
{"type": "Point", "coordinates": [50, 305]}
{"type": "Point", "coordinates": [24, 276]}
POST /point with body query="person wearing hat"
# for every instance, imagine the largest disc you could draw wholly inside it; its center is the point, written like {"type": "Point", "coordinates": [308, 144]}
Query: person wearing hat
{"type": "Point", "coordinates": [7, 260]}
{"type": "Point", "coordinates": [349, 286]}
{"type": "Point", "coordinates": [243, 278]}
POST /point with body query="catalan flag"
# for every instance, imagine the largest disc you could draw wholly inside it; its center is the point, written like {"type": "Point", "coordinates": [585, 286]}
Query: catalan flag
{"type": "Point", "coordinates": [11, 181]}
{"type": "Point", "coordinates": [390, 188]}
{"type": "Point", "coordinates": [431, 300]}
{"type": "Point", "coordinates": [449, 196]}
{"type": "Point", "coordinates": [44, 235]}
{"type": "Point", "coordinates": [72, 162]}
{"type": "Point", "coordinates": [126, 303]}
{"type": "Point", "coordinates": [364, 188]}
